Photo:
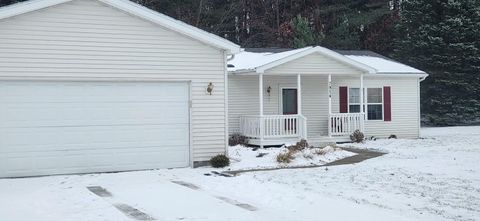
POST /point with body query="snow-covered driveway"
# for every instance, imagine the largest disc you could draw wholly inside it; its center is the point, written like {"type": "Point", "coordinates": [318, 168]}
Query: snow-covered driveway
{"type": "Point", "coordinates": [67, 198]}
{"type": "Point", "coordinates": [435, 178]}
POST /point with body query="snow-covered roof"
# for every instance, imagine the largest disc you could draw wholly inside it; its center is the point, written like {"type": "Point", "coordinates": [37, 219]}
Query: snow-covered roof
{"type": "Point", "coordinates": [255, 60]}
{"type": "Point", "coordinates": [134, 9]}
{"type": "Point", "coordinates": [385, 66]}
{"type": "Point", "coordinates": [250, 60]}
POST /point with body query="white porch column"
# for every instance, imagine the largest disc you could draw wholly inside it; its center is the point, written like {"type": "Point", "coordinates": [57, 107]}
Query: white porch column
{"type": "Point", "coordinates": [329, 94]}
{"type": "Point", "coordinates": [301, 122]}
{"type": "Point", "coordinates": [329, 88]}
{"type": "Point", "coordinates": [299, 94]}
{"type": "Point", "coordinates": [362, 108]}
{"type": "Point", "coordinates": [260, 95]}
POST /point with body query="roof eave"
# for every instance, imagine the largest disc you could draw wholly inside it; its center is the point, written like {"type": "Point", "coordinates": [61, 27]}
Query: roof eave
{"type": "Point", "coordinates": [324, 51]}
{"type": "Point", "coordinates": [28, 6]}
{"type": "Point", "coordinates": [401, 74]}
{"type": "Point", "coordinates": [243, 72]}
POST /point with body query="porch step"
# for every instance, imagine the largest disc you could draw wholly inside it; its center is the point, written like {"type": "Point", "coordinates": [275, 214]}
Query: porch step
{"type": "Point", "coordinates": [273, 142]}
{"type": "Point", "coordinates": [314, 141]}
{"type": "Point", "coordinates": [325, 140]}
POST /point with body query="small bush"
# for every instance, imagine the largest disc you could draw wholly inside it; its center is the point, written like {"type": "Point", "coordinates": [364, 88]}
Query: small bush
{"type": "Point", "coordinates": [393, 136]}
{"type": "Point", "coordinates": [237, 139]}
{"type": "Point", "coordinates": [220, 161]}
{"type": "Point", "coordinates": [357, 136]}
{"type": "Point", "coordinates": [286, 157]}
{"type": "Point", "coordinates": [301, 145]}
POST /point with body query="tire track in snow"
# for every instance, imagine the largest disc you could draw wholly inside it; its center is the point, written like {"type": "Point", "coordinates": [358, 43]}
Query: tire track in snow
{"type": "Point", "coordinates": [126, 209]}
{"type": "Point", "coordinates": [192, 186]}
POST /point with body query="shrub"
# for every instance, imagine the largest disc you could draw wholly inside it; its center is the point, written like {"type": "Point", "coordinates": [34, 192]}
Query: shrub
{"type": "Point", "coordinates": [286, 157]}
{"type": "Point", "coordinates": [301, 145]}
{"type": "Point", "coordinates": [220, 161]}
{"type": "Point", "coordinates": [237, 139]}
{"type": "Point", "coordinates": [393, 136]}
{"type": "Point", "coordinates": [357, 136]}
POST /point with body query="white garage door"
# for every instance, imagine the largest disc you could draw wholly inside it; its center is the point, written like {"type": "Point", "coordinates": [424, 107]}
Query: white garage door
{"type": "Point", "coordinates": [78, 127]}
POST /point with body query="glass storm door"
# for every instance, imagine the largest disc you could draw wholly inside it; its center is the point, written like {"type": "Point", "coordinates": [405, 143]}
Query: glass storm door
{"type": "Point", "coordinates": [289, 107]}
{"type": "Point", "coordinates": [289, 101]}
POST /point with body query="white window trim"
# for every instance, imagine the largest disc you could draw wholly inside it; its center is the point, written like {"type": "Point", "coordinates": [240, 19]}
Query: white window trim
{"type": "Point", "coordinates": [365, 102]}
{"type": "Point", "coordinates": [349, 103]}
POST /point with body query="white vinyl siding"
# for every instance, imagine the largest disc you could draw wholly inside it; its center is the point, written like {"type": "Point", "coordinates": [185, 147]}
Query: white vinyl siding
{"type": "Point", "coordinates": [404, 97]}
{"type": "Point", "coordinates": [86, 39]}
{"type": "Point", "coordinates": [243, 99]}
{"type": "Point", "coordinates": [405, 110]}
{"type": "Point", "coordinates": [313, 64]}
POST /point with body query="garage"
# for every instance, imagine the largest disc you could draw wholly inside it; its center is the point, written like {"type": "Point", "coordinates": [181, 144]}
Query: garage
{"type": "Point", "coordinates": [107, 85]}
{"type": "Point", "coordinates": [57, 127]}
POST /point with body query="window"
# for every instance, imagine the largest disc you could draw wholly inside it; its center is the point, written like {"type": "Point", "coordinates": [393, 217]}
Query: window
{"type": "Point", "coordinates": [373, 104]}
{"type": "Point", "coordinates": [354, 100]}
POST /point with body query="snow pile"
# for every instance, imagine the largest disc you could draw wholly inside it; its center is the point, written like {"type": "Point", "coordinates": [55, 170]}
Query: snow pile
{"type": "Point", "coordinates": [244, 158]}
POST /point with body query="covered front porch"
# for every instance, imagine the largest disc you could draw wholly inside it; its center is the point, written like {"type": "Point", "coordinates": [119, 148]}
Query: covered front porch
{"type": "Point", "coordinates": [286, 102]}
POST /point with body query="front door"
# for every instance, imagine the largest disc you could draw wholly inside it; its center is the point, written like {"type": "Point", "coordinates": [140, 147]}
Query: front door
{"type": "Point", "coordinates": [289, 107]}
{"type": "Point", "coordinates": [289, 101]}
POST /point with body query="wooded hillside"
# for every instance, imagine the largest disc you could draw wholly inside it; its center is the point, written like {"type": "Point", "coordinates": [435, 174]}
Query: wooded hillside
{"type": "Point", "coordinates": [441, 37]}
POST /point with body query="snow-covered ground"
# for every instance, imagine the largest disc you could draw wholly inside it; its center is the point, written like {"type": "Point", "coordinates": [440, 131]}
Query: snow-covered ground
{"type": "Point", "coordinates": [244, 158]}
{"type": "Point", "coordinates": [435, 178]}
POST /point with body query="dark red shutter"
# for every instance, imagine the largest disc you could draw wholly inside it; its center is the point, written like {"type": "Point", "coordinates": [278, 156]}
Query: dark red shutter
{"type": "Point", "coordinates": [387, 104]}
{"type": "Point", "coordinates": [343, 99]}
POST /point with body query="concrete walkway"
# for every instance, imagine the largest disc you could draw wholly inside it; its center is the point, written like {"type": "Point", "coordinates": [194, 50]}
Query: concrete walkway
{"type": "Point", "coordinates": [361, 155]}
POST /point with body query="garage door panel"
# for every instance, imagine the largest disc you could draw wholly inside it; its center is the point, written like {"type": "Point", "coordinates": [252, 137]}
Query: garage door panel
{"type": "Point", "coordinates": [73, 92]}
{"type": "Point", "coordinates": [68, 114]}
{"type": "Point", "coordinates": [75, 114]}
{"type": "Point", "coordinates": [48, 138]}
{"type": "Point", "coordinates": [103, 127]}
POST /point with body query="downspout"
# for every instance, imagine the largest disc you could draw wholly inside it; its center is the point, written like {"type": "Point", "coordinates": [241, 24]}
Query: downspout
{"type": "Point", "coordinates": [226, 59]}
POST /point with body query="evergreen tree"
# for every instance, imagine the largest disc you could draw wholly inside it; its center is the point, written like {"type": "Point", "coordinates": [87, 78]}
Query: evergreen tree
{"type": "Point", "coordinates": [302, 33]}
{"type": "Point", "coordinates": [442, 37]}
{"type": "Point", "coordinates": [343, 37]}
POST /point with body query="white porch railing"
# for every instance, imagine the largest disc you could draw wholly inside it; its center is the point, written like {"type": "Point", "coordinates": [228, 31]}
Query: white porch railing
{"type": "Point", "coordinates": [273, 126]}
{"type": "Point", "coordinates": [345, 124]}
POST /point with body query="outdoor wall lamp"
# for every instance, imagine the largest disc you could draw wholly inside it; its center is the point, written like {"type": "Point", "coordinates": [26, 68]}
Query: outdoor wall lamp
{"type": "Point", "coordinates": [210, 88]}
{"type": "Point", "coordinates": [269, 89]}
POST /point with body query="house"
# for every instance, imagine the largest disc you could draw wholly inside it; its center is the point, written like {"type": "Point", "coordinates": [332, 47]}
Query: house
{"type": "Point", "coordinates": [280, 96]}
{"type": "Point", "coordinates": [107, 85]}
